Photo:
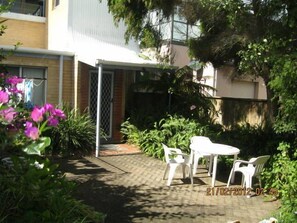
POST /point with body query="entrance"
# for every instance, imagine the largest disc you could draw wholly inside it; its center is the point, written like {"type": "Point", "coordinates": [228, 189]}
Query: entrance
{"type": "Point", "coordinates": [106, 100]}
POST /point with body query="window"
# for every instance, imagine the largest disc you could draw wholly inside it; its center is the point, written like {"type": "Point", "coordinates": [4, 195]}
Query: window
{"type": "Point", "coordinates": [34, 83]}
{"type": "Point", "coordinates": [28, 7]}
{"type": "Point", "coordinates": [56, 3]}
{"type": "Point", "coordinates": [175, 28]}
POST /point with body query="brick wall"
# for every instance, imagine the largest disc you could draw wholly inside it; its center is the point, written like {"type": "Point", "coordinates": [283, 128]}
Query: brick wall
{"type": "Point", "coordinates": [29, 34]}
{"type": "Point", "coordinates": [84, 86]}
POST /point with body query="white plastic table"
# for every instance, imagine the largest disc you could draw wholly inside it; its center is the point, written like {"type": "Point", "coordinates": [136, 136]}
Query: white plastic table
{"type": "Point", "coordinates": [216, 149]}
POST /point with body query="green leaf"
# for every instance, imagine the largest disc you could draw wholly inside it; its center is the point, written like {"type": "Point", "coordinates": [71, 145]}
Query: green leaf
{"type": "Point", "coordinates": [37, 147]}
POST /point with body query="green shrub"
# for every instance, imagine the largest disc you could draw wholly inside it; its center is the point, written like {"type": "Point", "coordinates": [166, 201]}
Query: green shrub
{"type": "Point", "coordinates": [131, 134]}
{"type": "Point", "coordinates": [251, 140]}
{"type": "Point", "coordinates": [175, 131]}
{"type": "Point", "coordinates": [281, 175]}
{"type": "Point", "coordinates": [76, 135]}
{"type": "Point", "coordinates": [31, 193]}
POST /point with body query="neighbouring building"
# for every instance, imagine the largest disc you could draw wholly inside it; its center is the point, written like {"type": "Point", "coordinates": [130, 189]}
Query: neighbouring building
{"type": "Point", "coordinates": [232, 93]}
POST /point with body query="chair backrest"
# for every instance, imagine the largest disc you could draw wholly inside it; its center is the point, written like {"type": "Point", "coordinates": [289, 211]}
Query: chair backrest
{"type": "Point", "coordinates": [200, 140]}
{"type": "Point", "coordinates": [174, 154]}
{"type": "Point", "coordinates": [258, 164]}
{"type": "Point", "coordinates": [166, 153]}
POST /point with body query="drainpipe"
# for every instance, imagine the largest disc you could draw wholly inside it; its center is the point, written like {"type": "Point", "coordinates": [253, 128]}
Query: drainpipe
{"type": "Point", "coordinates": [98, 109]}
{"type": "Point", "coordinates": [75, 82]}
{"type": "Point", "coordinates": [61, 80]}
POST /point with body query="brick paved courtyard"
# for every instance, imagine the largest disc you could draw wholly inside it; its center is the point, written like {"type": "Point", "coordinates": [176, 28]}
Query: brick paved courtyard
{"type": "Point", "coordinates": [129, 188]}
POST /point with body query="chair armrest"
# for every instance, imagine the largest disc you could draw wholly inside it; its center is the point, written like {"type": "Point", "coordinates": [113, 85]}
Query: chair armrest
{"type": "Point", "coordinates": [237, 163]}
{"type": "Point", "coordinates": [242, 161]}
{"type": "Point", "coordinates": [178, 153]}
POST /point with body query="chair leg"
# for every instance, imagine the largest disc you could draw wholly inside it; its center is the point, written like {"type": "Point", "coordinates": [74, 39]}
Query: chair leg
{"type": "Point", "coordinates": [243, 181]}
{"type": "Point", "coordinates": [184, 171]}
{"type": "Point", "coordinates": [230, 177]}
{"type": "Point", "coordinates": [260, 181]}
{"type": "Point", "coordinates": [171, 174]}
{"type": "Point", "coordinates": [248, 181]}
{"type": "Point", "coordinates": [196, 161]}
{"type": "Point", "coordinates": [210, 165]}
{"type": "Point", "coordinates": [166, 169]}
{"type": "Point", "coordinates": [191, 173]}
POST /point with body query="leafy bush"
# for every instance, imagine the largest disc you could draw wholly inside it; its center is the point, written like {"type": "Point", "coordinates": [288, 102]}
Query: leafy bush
{"type": "Point", "coordinates": [39, 193]}
{"type": "Point", "coordinates": [175, 131]}
{"type": "Point", "coordinates": [282, 176]}
{"type": "Point", "coordinates": [251, 140]}
{"type": "Point", "coordinates": [75, 135]}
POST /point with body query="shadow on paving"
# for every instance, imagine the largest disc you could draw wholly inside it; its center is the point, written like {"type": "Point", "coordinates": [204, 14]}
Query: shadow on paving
{"type": "Point", "coordinates": [121, 203]}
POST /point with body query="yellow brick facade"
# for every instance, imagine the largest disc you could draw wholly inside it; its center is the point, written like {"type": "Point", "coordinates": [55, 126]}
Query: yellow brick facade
{"type": "Point", "coordinates": [28, 33]}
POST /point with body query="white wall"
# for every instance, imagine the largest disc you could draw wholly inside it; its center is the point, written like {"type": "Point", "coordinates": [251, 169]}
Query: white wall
{"type": "Point", "coordinates": [58, 35]}
{"type": "Point", "coordinates": [87, 29]}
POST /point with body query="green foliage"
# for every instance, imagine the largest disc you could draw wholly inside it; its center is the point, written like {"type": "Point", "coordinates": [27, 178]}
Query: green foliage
{"type": "Point", "coordinates": [37, 147]}
{"type": "Point", "coordinates": [251, 140]}
{"type": "Point", "coordinates": [282, 176]}
{"type": "Point", "coordinates": [134, 14]}
{"type": "Point", "coordinates": [179, 95]}
{"type": "Point", "coordinates": [174, 131]}
{"type": "Point", "coordinates": [131, 134]}
{"type": "Point", "coordinates": [76, 135]}
{"type": "Point", "coordinates": [150, 38]}
{"type": "Point", "coordinates": [39, 193]}
{"type": "Point", "coordinates": [284, 84]}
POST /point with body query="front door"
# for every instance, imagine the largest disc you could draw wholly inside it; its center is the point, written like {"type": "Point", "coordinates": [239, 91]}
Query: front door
{"type": "Point", "coordinates": [106, 100]}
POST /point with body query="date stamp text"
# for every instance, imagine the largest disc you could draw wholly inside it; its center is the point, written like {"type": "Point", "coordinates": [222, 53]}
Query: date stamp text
{"type": "Point", "coordinates": [239, 191]}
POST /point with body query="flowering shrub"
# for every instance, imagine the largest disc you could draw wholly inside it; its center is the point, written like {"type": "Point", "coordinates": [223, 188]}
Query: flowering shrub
{"type": "Point", "coordinates": [28, 124]}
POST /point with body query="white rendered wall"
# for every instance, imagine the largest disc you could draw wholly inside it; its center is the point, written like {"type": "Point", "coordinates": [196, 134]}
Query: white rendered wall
{"type": "Point", "coordinates": [87, 28]}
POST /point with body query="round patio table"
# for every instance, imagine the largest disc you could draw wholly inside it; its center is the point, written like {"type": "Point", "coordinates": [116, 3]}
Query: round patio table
{"type": "Point", "coordinates": [216, 149]}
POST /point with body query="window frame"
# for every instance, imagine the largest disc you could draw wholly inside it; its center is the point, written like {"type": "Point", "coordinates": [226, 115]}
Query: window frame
{"type": "Point", "coordinates": [22, 75]}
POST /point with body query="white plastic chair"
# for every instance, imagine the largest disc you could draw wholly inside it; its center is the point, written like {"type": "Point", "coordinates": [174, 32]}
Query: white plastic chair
{"type": "Point", "coordinates": [175, 158]}
{"type": "Point", "coordinates": [252, 168]}
{"type": "Point", "coordinates": [201, 141]}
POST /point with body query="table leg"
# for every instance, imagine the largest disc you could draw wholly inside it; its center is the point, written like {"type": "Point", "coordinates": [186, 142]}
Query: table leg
{"type": "Point", "coordinates": [210, 165]}
{"type": "Point", "coordinates": [214, 170]}
{"type": "Point", "coordinates": [233, 175]}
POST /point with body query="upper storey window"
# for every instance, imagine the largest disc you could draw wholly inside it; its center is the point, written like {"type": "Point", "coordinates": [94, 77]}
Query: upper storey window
{"type": "Point", "coordinates": [28, 7]}
{"type": "Point", "coordinates": [175, 28]}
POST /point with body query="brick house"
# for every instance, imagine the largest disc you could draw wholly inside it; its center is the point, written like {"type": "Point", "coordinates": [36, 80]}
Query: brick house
{"type": "Point", "coordinates": [63, 43]}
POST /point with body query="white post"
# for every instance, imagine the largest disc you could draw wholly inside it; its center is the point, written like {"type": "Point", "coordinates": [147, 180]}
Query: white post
{"type": "Point", "coordinates": [61, 80]}
{"type": "Point", "coordinates": [98, 109]}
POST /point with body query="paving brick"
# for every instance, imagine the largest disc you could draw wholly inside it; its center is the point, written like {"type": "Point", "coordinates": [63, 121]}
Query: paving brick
{"type": "Point", "coordinates": [135, 182]}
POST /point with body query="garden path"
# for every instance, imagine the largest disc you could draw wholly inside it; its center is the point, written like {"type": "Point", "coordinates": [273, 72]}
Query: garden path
{"type": "Point", "coordinates": [127, 185]}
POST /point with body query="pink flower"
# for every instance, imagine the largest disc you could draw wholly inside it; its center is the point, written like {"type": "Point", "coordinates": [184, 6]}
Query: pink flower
{"type": "Point", "coordinates": [49, 108]}
{"type": "Point", "coordinates": [59, 113]}
{"type": "Point", "coordinates": [4, 97]}
{"type": "Point", "coordinates": [37, 114]}
{"type": "Point", "coordinates": [14, 80]}
{"type": "Point", "coordinates": [14, 90]}
{"type": "Point", "coordinates": [8, 114]}
{"type": "Point", "coordinates": [29, 124]}
{"type": "Point", "coordinates": [52, 121]}
{"type": "Point", "coordinates": [32, 132]}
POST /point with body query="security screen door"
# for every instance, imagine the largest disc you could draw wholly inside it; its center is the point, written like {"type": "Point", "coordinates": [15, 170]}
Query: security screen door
{"type": "Point", "coordinates": [106, 100]}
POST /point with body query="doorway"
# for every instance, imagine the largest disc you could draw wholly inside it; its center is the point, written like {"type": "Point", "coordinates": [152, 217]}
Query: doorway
{"type": "Point", "coordinates": [106, 100]}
